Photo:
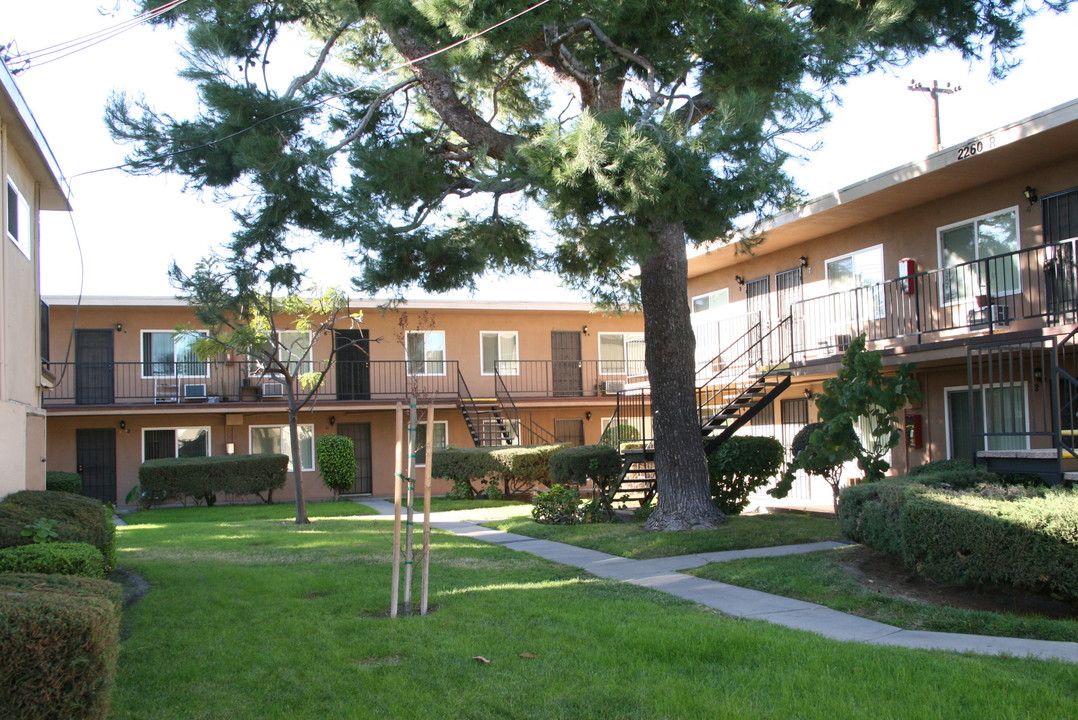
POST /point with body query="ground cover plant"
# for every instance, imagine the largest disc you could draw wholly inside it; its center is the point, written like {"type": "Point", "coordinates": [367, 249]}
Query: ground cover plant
{"type": "Point", "coordinates": [279, 603]}
{"type": "Point", "coordinates": [837, 579]}
{"type": "Point", "coordinates": [632, 541]}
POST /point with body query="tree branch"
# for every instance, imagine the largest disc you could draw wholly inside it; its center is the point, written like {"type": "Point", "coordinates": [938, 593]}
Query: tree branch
{"type": "Point", "coordinates": [369, 115]}
{"type": "Point", "coordinates": [302, 80]}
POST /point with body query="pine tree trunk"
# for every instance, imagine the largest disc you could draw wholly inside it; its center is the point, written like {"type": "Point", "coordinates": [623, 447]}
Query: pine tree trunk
{"type": "Point", "coordinates": [680, 466]}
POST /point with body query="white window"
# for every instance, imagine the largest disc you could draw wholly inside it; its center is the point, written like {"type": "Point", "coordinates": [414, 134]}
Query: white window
{"type": "Point", "coordinates": [963, 244]}
{"type": "Point", "coordinates": [711, 302]}
{"type": "Point", "coordinates": [276, 439]}
{"type": "Point", "coordinates": [18, 219]}
{"type": "Point", "coordinates": [441, 434]}
{"type": "Point", "coordinates": [166, 354]}
{"type": "Point", "coordinates": [621, 354]}
{"type": "Point", "coordinates": [998, 412]}
{"type": "Point", "coordinates": [859, 269]}
{"type": "Point", "coordinates": [425, 351]}
{"type": "Point", "coordinates": [175, 442]}
{"type": "Point", "coordinates": [498, 350]}
{"type": "Point", "coordinates": [294, 344]}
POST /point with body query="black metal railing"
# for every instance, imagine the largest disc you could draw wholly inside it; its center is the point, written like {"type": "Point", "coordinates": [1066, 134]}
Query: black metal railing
{"type": "Point", "coordinates": [561, 378]}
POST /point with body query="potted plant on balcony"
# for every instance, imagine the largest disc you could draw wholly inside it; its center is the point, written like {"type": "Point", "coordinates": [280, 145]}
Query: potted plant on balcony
{"type": "Point", "coordinates": [600, 388]}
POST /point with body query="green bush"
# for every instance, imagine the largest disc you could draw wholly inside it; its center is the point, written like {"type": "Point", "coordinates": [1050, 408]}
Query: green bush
{"type": "Point", "coordinates": [558, 506]}
{"type": "Point", "coordinates": [576, 465]}
{"type": "Point", "coordinates": [59, 640]}
{"type": "Point", "coordinates": [54, 559]}
{"type": "Point", "coordinates": [62, 481]}
{"type": "Point", "coordinates": [740, 465]}
{"type": "Point", "coordinates": [203, 477]}
{"type": "Point", "coordinates": [959, 478]}
{"type": "Point", "coordinates": [1023, 538]}
{"type": "Point", "coordinates": [523, 468]}
{"type": "Point", "coordinates": [937, 466]}
{"type": "Point", "coordinates": [463, 466]}
{"type": "Point", "coordinates": [81, 519]}
{"type": "Point", "coordinates": [336, 462]}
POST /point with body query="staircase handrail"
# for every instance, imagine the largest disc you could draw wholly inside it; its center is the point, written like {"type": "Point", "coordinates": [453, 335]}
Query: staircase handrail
{"type": "Point", "coordinates": [738, 379]}
{"type": "Point", "coordinates": [502, 394]}
{"type": "Point", "coordinates": [754, 326]}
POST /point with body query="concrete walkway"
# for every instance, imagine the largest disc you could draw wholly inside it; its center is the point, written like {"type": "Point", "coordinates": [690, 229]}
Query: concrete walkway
{"type": "Point", "coordinates": [662, 574]}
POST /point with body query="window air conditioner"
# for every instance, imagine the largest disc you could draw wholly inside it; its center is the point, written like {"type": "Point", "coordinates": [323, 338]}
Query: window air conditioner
{"type": "Point", "coordinates": [999, 315]}
{"type": "Point", "coordinates": [194, 391]}
{"type": "Point", "coordinates": [273, 389]}
{"type": "Point", "coordinates": [615, 386]}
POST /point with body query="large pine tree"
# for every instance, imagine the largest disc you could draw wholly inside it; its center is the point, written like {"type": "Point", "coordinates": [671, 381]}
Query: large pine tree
{"type": "Point", "coordinates": [637, 126]}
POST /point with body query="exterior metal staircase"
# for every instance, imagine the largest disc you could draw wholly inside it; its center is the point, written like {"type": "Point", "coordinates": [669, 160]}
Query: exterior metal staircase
{"type": "Point", "coordinates": [743, 379]}
{"type": "Point", "coordinates": [496, 421]}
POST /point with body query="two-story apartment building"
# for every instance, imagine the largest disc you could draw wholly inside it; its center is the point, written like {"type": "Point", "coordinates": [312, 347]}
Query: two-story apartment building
{"type": "Point", "coordinates": [32, 182]}
{"type": "Point", "coordinates": [497, 373]}
{"type": "Point", "coordinates": [962, 263]}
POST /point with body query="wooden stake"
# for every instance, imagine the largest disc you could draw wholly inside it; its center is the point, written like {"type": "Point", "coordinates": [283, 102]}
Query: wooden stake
{"type": "Point", "coordinates": [425, 587]}
{"type": "Point", "coordinates": [398, 471]}
{"type": "Point", "coordinates": [409, 549]}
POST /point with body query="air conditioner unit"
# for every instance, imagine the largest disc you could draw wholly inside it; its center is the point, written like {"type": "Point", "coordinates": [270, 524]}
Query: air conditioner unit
{"type": "Point", "coordinates": [615, 386]}
{"type": "Point", "coordinates": [274, 389]}
{"type": "Point", "coordinates": [999, 315]}
{"type": "Point", "coordinates": [194, 391]}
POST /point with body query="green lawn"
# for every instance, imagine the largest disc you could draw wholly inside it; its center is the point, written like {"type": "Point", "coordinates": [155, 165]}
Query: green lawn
{"type": "Point", "coordinates": [632, 541]}
{"type": "Point", "coordinates": [239, 513]}
{"type": "Point", "coordinates": [818, 577]}
{"type": "Point", "coordinates": [261, 618]}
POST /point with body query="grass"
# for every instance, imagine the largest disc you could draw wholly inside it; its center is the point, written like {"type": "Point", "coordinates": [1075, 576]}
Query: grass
{"type": "Point", "coordinates": [242, 513]}
{"type": "Point", "coordinates": [819, 577]}
{"type": "Point", "coordinates": [444, 504]}
{"type": "Point", "coordinates": [632, 541]}
{"type": "Point", "coordinates": [260, 618]}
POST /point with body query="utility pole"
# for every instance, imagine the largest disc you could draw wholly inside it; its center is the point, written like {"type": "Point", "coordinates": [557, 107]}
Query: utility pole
{"type": "Point", "coordinates": [934, 92]}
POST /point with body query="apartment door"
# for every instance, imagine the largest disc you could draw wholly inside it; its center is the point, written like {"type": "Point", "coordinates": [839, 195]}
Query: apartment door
{"type": "Point", "coordinates": [94, 374]}
{"type": "Point", "coordinates": [757, 303]}
{"type": "Point", "coordinates": [360, 433]}
{"type": "Point", "coordinates": [567, 368]}
{"type": "Point", "coordinates": [353, 361]}
{"type": "Point", "coordinates": [795, 415]}
{"type": "Point", "coordinates": [95, 458]}
{"type": "Point", "coordinates": [788, 291]}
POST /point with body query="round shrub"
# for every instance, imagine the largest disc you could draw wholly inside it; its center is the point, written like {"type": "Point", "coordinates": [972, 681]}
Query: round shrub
{"type": "Point", "coordinates": [739, 466]}
{"type": "Point", "coordinates": [336, 462]}
{"type": "Point", "coordinates": [74, 558]}
{"type": "Point", "coordinates": [558, 506]}
{"type": "Point", "coordinates": [61, 481]}
{"type": "Point", "coordinates": [576, 465]}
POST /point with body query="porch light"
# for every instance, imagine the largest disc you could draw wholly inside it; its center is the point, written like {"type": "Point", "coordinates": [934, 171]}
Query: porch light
{"type": "Point", "coordinates": [119, 327]}
{"type": "Point", "coordinates": [587, 415]}
{"type": "Point", "coordinates": [332, 420]}
{"type": "Point", "coordinates": [585, 329]}
{"type": "Point", "coordinates": [123, 424]}
{"type": "Point", "coordinates": [808, 393]}
{"type": "Point", "coordinates": [803, 261]}
{"type": "Point", "coordinates": [1030, 194]}
{"type": "Point", "coordinates": [739, 280]}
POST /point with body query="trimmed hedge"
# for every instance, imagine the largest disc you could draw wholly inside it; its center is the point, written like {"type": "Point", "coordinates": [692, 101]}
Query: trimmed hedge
{"type": "Point", "coordinates": [54, 559]}
{"type": "Point", "coordinates": [81, 519]}
{"type": "Point", "coordinates": [576, 465]}
{"type": "Point", "coordinates": [59, 637]}
{"type": "Point", "coordinates": [520, 468]}
{"type": "Point", "coordinates": [62, 481]}
{"type": "Point", "coordinates": [1015, 537]}
{"type": "Point", "coordinates": [740, 465]}
{"type": "Point", "coordinates": [336, 462]}
{"type": "Point", "coordinates": [204, 477]}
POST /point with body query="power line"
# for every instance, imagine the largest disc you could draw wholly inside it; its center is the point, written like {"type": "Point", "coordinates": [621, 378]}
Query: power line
{"type": "Point", "coordinates": [22, 62]}
{"type": "Point", "coordinates": [323, 101]}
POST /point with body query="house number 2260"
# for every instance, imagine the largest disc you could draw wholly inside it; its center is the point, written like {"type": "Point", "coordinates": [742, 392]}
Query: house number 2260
{"type": "Point", "coordinates": [968, 151]}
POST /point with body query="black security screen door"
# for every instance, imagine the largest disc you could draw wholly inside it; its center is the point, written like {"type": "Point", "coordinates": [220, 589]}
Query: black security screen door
{"type": "Point", "coordinates": [566, 368]}
{"type": "Point", "coordinates": [93, 367]}
{"type": "Point", "coordinates": [95, 456]}
{"type": "Point", "coordinates": [353, 362]}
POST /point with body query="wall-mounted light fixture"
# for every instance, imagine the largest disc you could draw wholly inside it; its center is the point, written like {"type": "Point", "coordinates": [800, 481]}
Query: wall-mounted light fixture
{"type": "Point", "coordinates": [585, 329]}
{"type": "Point", "coordinates": [587, 415]}
{"type": "Point", "coordinates": [119, 327]}
{"type": "Point", "coordinates": [332, 420]}
{"type": "Point", "coordinates": [230, 448]}
{"type": "Point", "coordinates": [808, 393]}
{"type": "Point", "coordinates": [123, 424]}
{"type": "Point", "coordinates": [739, 280]}
{"type": "Point", "coordinates": [1030, 194]}
{"type": "Point", "coordinates": [803, 261]}
{"type": "Point", "coordinates": [1038, 378]}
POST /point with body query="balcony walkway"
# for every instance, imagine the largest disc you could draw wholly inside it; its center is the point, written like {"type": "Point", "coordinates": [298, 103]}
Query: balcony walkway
{"type": "Point", "coordinates": [662, 574]}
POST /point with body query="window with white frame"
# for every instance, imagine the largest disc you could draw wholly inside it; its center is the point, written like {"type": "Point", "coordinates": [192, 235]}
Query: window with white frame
{"type": "Point", "coordinates": [166, 354]}
{"type": "Point", "coordinates": [711, 301]}
{"type": "Point", "coordinates": [425, 352]}
{"type": "Point", "coordinates": [18, 219]}
{"type": "Point", "coordinates": [963, 246]}
{"type": "Point", "coordinates": [441, 434]}
{"type": "Point", "coordinates": [499, 350]}
{"type": "Point", "coordinates": [859, 269]}
{"type": "Point", "coordinates": [276, 439]}
{"type": "Point", "coordinates": [294, 345]}
{"type": "Point", "coordinates": [621, 353]}
{"type": "Point", "coordinates": [160, 443]}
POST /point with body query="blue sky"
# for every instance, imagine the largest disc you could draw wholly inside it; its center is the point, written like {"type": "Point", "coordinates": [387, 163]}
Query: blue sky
{"type": "Point", "coordinates": [131, 228]}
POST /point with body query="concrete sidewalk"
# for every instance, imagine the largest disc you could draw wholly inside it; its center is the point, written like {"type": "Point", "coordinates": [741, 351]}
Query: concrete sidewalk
{"type": "Point", "coordinates": [662, 574]}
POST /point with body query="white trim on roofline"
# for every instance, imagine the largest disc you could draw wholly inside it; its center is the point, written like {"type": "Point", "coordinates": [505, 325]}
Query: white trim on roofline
{"type": "Point", "coordinates": [369, 304]}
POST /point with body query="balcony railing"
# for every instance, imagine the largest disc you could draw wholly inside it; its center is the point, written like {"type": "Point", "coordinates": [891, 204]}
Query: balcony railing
{"type": "Point", "coordinates": [566, 378]}
{"type": "Point", "coordinates": [988, 294]}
